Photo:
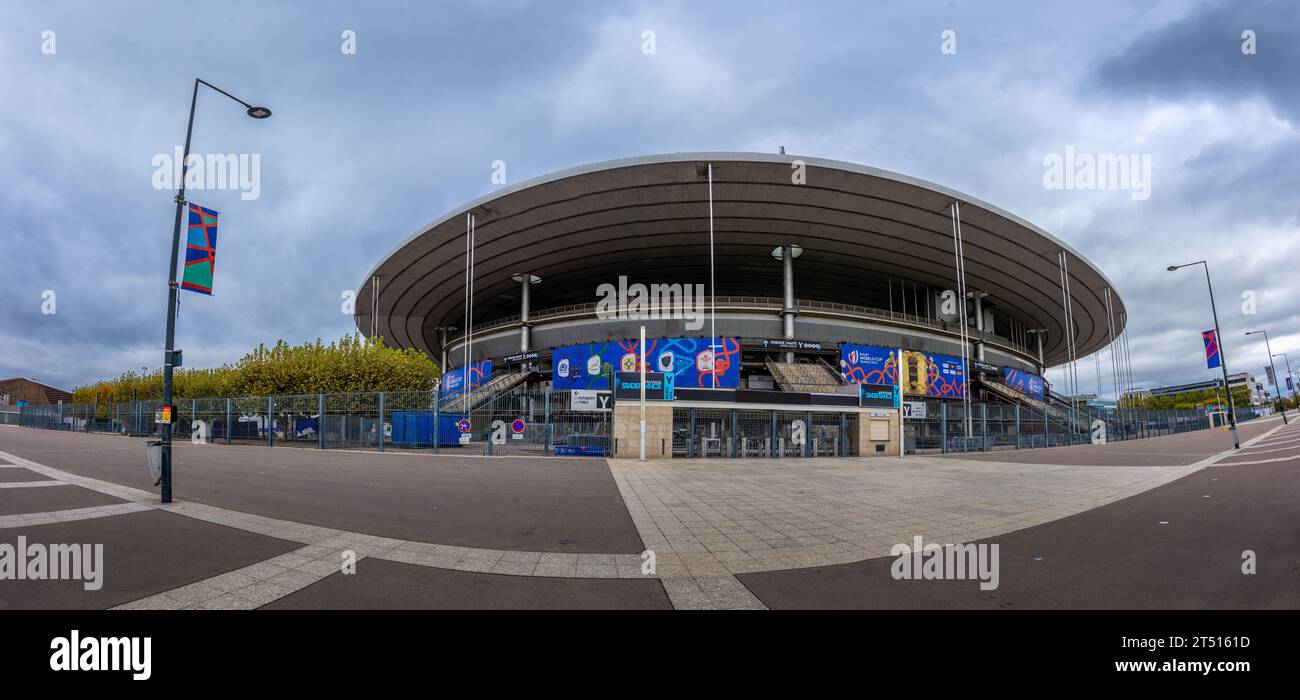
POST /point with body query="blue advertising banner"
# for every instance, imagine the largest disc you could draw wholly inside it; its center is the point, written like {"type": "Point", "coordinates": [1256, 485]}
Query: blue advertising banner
{"type": "Point", "coordinates": [868, 364]}
{"type": "Point", "coordinates": [689, 360]}
{"type": "Point", "coordinates": [453, 382]}
{"type": "Point", "coordinates": [1029, 384]}
{"type": "Point", "coordinates": [928, 374]}
{"type": "Point", "coordinates": [878, 395]}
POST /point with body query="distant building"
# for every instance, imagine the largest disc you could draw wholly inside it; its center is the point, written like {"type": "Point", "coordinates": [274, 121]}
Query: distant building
{"type": "Point", "coordinates": [34, 393]}
{"type": "Point", "coordinates": [1137, 394]}
{"type": "Point", "coordinates": [1258, 395]}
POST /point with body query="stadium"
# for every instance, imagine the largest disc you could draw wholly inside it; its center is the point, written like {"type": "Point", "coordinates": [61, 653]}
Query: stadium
{"type": "Point", "coordinates": [779, 297]}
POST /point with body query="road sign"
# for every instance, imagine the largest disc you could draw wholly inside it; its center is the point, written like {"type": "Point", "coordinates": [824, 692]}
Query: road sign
{"type": "Point", "coordinates": [517, 427]}
{"type": "Point", "coordinates": [589, 400]}
{"type": "Point", "coordinates": [463, 425]}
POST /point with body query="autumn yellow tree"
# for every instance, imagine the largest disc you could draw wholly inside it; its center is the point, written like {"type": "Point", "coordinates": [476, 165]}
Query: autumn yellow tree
{"type": "Point", "coordinates": [351, 364]}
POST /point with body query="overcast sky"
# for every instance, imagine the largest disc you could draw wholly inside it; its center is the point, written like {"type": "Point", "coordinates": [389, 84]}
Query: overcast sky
{"type": "Point", "coordinates": [365, 148]}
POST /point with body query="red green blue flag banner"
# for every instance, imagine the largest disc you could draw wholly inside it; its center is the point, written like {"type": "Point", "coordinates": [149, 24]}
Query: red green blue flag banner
{"type": "Point", "coordinates": [1212, 357]}
{"type": "Point", "coordinates": [200, 250]}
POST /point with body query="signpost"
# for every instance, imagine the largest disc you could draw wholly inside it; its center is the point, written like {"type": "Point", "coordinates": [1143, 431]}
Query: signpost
{"type": "Point", "coordinates": [521, 357]}
{"type": "Point", "coordinates": [915, 410]}
{"type": "Point", "coordinates": [790, 344]}
{"type": "Point", "coordinates": [590, 400]}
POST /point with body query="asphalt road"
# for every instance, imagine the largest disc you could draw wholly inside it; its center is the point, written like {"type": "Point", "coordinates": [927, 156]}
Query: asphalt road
{"type": "Point", "coordinates": [533, 504]}
{"type": "Point", "coordinates": [143, 554]}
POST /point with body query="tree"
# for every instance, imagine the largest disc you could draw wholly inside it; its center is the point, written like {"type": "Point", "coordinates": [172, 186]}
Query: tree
{"type": "Point", "coordinates": [351, 364]}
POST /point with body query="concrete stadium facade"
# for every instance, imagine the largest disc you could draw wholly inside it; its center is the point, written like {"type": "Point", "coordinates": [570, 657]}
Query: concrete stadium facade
{"type": "Point", "coordinates": [820, 252]}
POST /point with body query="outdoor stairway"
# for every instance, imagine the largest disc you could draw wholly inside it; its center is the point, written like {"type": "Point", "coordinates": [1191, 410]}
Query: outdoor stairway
{"type": "Point", "coordinates": [497, 385]}
{"type": "Point", "coordinates": [1015, 395]}
{"type": "Point", "coordinates": [804, 377]}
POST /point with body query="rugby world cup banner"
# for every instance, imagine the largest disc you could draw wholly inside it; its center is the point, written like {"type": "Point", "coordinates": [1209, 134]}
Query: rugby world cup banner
{"type": "Point", "coordinates": [1030, 385]}
{"type": "Point", "coordinates": [453, 382]}
{"type": "Point", "coordinates": [689, 360]}
{"type": "Point", "coordinates": [927, 374]}
{"type": "Point", "coordinates": [1212, 357]}
{"type": "Point", "coordinates": [868, 364]}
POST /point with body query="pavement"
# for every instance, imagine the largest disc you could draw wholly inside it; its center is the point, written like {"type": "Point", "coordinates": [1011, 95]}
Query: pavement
{"type": "Point", "coordinates": [1179, 546]}
{"type": "Point", "coordinates": [296, 528]}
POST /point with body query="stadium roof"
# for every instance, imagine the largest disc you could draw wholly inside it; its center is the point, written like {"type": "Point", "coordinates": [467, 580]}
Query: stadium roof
{"type": "Point", "coordinates": [861, 228]}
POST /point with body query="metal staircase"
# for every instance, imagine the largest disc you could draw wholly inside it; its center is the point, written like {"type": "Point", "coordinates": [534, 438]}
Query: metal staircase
{"type": "Point", "coordinates": [804, 377]}
{"type": "Point", "coordinates": [497, 385]}
{"type": "Point", "coordinates": [1014, 395]}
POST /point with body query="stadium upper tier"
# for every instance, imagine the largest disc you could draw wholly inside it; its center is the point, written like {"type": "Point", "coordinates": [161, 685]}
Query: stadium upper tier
{"type": "Point", "coordinates": [876, 246]}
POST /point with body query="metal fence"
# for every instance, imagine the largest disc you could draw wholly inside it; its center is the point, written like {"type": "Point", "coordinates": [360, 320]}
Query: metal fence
{"type": "Point", "coordinates": [996, 426]}
{"type": "Point", "coordinates": [535, 421]}
{"type": "Point", "coordinates": [738, 432]}
{"type": "Point", "coordinates": [514, 422]}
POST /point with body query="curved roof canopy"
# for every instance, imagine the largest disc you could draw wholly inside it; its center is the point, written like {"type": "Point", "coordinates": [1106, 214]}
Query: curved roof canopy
{"type": "Point", "coordinates": [860, 228]}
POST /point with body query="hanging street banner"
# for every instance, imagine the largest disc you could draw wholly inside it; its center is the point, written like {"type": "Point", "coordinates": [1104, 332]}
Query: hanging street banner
{"type": "Point", "coordinates": [200, 250]}
{"type": "Point", "coordinates": [1272, 380]}
{"type": "Point", "coordinates": [1212, 358]}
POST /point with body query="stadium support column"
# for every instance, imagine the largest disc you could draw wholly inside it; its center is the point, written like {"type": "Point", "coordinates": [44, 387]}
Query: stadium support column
{"type": "Point", "coordinates": [978, 296]}
{"type": "Point", "coordinates": [442, 344]}
{"type": "Point", "coordinates": [1114, 358]}
{"type": "Point", "coordinates": [1038, 335]}
{"type": "Point", "coordinates": [526, 282]}
{"type": "Point", "coordinates": [786, 254]}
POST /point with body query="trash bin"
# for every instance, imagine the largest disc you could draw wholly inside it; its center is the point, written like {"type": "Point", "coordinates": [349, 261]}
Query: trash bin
{"type": "Point", "coordinates": [154, 448]}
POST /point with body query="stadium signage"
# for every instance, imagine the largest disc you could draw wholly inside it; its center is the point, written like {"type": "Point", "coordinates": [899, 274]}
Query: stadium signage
{"type": "Point", "coordinates": [590, 400]}
{"type": "Point", "coordinates": [658, 386]}
{"type": "Point", "coordinates": [789, 344]}
{"type": "Point", "coordinates": [878, 395]}
{"type": "Point", "coordinates": [521, 357]}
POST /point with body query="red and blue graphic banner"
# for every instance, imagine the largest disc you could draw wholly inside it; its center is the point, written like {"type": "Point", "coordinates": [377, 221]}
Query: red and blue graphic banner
{"type": "Point", "coordinates": [868, 364]}
{"type": "Point", "coordinates": [1212, 357]}
{"type": "Point", "coordinates": [929, 374]}
{"type": "Point", "coordinates": [453, 382]}
{"type": "Point", "coordinates": [200, 250]}
{"type": "Point", "coordinates": [1029, 384]}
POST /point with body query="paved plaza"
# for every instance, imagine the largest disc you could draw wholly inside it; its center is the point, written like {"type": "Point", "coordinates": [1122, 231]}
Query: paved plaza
{"type": "Point", "coordinates": [271, 527]}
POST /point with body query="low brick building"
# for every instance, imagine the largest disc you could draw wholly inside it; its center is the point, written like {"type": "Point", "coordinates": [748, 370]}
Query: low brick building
{"type": "Point", "coordinates": [33, 392]}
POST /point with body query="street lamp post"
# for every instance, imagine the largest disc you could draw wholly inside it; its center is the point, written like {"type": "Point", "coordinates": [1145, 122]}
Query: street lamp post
{"type": "Point", "coordinates": [172, 286]}
{"type": "Point", "coordinates": [1288, 372]}
{"type": "Point", "coordinates": [1276, 384]}
{"type": "Point", "coordinates": [1223, 352]}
